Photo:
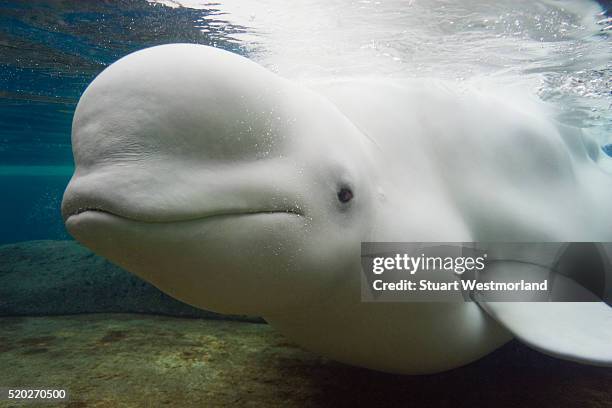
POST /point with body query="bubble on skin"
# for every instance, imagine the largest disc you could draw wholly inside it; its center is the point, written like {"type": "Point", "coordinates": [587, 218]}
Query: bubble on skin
{"type": "Point", "coordinates": [277, 250]}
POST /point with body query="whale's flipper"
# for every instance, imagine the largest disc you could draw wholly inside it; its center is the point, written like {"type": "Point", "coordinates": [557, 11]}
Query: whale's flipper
{"type": "Point", "coordinates": [571, 320]}
{"type": "Point", "coordinates": [576, 331]}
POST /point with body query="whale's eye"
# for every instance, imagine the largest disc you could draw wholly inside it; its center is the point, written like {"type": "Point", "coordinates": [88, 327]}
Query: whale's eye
{"type": "Point", "coordinates": [345, 195]}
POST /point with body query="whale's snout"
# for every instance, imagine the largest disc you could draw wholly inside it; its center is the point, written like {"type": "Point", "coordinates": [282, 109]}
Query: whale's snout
{"type": "Point", "coordinates": [176, 192]}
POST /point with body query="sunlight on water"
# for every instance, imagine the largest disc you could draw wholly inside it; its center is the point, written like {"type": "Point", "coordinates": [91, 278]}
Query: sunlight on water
{"type": "Point", "coordinates": [560, 50]}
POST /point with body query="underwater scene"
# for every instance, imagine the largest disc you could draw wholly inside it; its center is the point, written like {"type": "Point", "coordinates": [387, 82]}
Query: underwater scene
{"type": "Point", "coordinates": [192, 233]}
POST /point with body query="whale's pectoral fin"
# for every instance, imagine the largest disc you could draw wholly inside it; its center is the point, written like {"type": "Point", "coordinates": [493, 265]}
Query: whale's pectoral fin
{"type": "Point", "coordinates": [580, 332]}
{"type": "Point", "coordinates": [569, 320]}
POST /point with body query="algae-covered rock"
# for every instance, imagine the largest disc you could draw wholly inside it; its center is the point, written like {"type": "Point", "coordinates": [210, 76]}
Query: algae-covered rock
{"type": "Point", "coordinates": [62, 277]}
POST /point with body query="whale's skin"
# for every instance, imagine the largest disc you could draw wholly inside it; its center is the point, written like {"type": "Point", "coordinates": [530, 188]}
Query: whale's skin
{"type": "Point", "coordinates": [216, 180]}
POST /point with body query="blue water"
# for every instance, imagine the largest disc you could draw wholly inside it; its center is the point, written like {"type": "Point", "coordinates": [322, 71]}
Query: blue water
{"type": "Point", "coordinates": [50, 50]}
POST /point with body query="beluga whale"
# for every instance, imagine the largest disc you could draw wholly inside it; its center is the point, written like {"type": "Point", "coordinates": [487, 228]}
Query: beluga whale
{"type": "Point", "coordinates": [235, 190]}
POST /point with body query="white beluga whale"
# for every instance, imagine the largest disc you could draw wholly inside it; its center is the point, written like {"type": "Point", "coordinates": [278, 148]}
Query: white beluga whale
{"type": "Point", "coordinates": [238, 191]}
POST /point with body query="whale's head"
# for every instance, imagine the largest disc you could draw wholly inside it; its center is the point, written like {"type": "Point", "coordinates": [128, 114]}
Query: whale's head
{"type": "Point", "coordinates": [221, 183]}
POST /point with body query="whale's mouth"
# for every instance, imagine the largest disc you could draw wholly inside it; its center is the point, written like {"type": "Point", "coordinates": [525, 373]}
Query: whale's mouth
{"type": "Point", "coordinates": [166, 203]}
{"type": "Point", "coordinates": [75, 214]}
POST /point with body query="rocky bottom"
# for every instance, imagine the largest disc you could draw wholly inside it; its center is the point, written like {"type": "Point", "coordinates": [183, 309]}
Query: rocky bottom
{"type": "Point", "coordinates": [114, 360]}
